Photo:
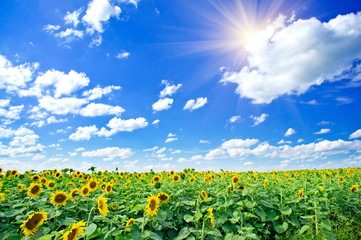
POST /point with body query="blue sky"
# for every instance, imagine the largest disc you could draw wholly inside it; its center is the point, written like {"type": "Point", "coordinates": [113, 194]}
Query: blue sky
{"type": "Point", "coordinates": [164, 85]}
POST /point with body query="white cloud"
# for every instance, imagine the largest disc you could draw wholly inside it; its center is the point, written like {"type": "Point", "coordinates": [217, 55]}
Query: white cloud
{"type": "Point", "coordinates": [73, 18]}
{"type": "Point", "coordinates": [323, 131]}
{"type": "Point", "coordinates": [122, 55]}
{"type": "Point", "coordinates": [13, 78]}
{"type": "Point", "coordinates": [169, 89]}
{"type": "Point", "coordinates": [134, 2]}
{"type": "Point", "coordinates": [239, 143]}
{"type": "Point", "coordinates": [83, 133]}
{"type": "Point", "coordinates": [356, 134]}
{"type": "Point", "coordinates": [171, 135]}
{"type": "Point", "coordinates": [215, 153]}
{"type": "Point", "coordinates": [61, 106]}
{"type": "Point", "coordinates": [260, 119]}
{"type": "Point", "coordinates": [98, 13]}
{"type": "Point", "coordinates": [52, 119]}
{"type": "Point", "coordinates": [129, 125]}
{"type": "Point", "coordinates": [155, 122]}
{"type": "Point", "coordinates": [195, 104]}
{"type": "Point", "coordinates": [176, 151]}
{"type": "Point", "coordinates": [204, 141]}
{"type": "Point", "coordinates": [248, 163]}
{"type": "Point", "coordinates": [65, 84]}
{"type": "Point", "coordinates": [100, 109]}
{"type": "Point", "coordinates": [4, 102]}
{"type": "Point", "coordinates": [160, 151]}
{"type": "Point", "coordinates": [98, 92]}
{"type": "Point", "coordinates": [12, 112]}
{"type": "Point", "coordinates": [234, 119]}
{"type": "Point", "coordinates": [79, 149]}
{"type": "Point", "coordinates": [290, 58]}
{"type": "Point", "coordinates": [37, 114]}
{"type": "Point", "coordinates": [284, 142]}
{"type": "Point", "coordinates": [150, 149]}
{"type": "Point", "coordinates": [290, 132]}
{"type": "Point", "coordinates": [51, 28]}
{"type": "Point", "coordinates": [344, 100]}
{"type": "Point", "coordinates": [109, 153]}
{"type": "Point", "coordinates": [162, 104]}
{"type": "Point", "coordinates": [171, 139]}
{"type": "Point", "coordinates": [300, 140]}
{"type": "Point", "coordinates": [323, 123]}
{"type": "Point", "coordinates": [70, 34]}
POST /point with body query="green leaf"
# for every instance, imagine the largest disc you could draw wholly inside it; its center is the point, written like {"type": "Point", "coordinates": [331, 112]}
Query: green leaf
{"type": "Point", "coordinates": [183, 233]}
{"type": "Point", "coordinates": [304, 229]}
{"type": "Point", "coordinates": [262, 214]}
{"type": "Point", "coordinates": [90, 229]}
{"type": "Point", "coordinates": [161, 215]}
{"type": "Point", "coordinates": [214, 232]}
{"type": "Point", "coordinates": [188, 218]}
{"type": "Point", "coordinates": [280, 228]}
{"type": "Point", "coordinates": [326, 225]}
{"type": "Point", "coordinates": [134, 232]}
{"type": "Point", "coordinates": [154, 236]}
{"type": "Point", "coordinates": [286, 210]}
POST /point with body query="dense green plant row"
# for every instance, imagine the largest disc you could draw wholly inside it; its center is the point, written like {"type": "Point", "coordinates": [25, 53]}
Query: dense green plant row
{"type": "Point", "coordinates": [306, 204]}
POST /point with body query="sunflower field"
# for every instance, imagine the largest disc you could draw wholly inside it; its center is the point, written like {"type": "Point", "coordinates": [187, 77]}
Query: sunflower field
{"type": "Point", "coordinates": [69, 205]}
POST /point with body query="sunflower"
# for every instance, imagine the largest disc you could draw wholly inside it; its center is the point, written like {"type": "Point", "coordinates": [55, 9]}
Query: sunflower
{"type": "Point", "coordinates": [152, 206]}
{"type": "Point", "coordinates": [321, 188]}
{"type": "Point", "coordinates": [241, 187]}
{"type": "Point", "coordinates": [176, 178]}
{"type": "Point", "coordinates": [93, 185]}
{"type": "Point", "coordinates": [47, 173]}
{"type": "Point", "coordinates": [191, 180]}
{"type": "Point", "coordinates": [172, 172]}
{"type": "Point", "coordinates": [84, 191]}
{"type": "Point", "coordinates": [139, 175]}
{"type": "Point", "coordinates": [114, 206]}
{"type": "Point", "coordinates": [342, 180]}
{"type": "Point", "coordinates": [204, 195]}
{"type": "Point", "coordinates": [13, 172]}
{"type": "Point", "coordinates": [2, 197]}
{"type": "Point", "coordinates": [102, 205]}
{"type": "Point", "coordinates": [300, 194]}
{"type": "Point", "coordinates": [129, 223]}
{"type": "Point", "coordinates": [34, 190]}
{"type": "Point", "coordinates": [353, 189]}
{"type": "Point", "coordinates": [163, 197]}
{"type": "Point", "coordinates": [121, 174]}
{"type": "Point", "coordinates": [211, 217]}
{"type": "Point", "coordinates": [50, 184]}
{"type": "Point", "coordinates": [32, 222]}
{"type": "Point", "coordinates": [1, 170]}
{"type": "Point", "coordinates": [156, 179]}
{"type": "Point", "coordinates": [108, 188]}
{"type": "Point", "coordinates": [43, 180]}
{"type": "Point", "coordinates": [265, 183]}
{"type": "Point", "coordinates": [235, 180]}
{"type": "Point", "coordinates": [73, 194]}
{"type": "Point", "coordinates": [20, 186]}
{"type": "Point", "coordinates": [57, 174]}
{"type": "Point", "coordinates": [59, 198]}
{"type": "Point", "coordinates": [75, 230]}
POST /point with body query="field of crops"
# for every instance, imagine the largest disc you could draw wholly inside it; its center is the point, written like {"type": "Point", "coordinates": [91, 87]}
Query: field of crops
{"type": "Point", "coordinates": [67, 204]}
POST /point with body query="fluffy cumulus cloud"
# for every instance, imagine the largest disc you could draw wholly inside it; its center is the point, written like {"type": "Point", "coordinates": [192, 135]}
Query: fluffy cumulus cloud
{"type": "Point", "coordinates": [98, 13]}
{"type": "Point", "coordinates": [289, 58]}
{"type": "Point", "coordinates": [290, 132]}
{"type": "Point", "coordinates": [83, 133]}
{"type": "Point", "coordinates": [323, 131]}
{"type": "Point", "coordinates": [70, 34]}
{"type": "Point", "coordinates": [195, 104]}
{"type": "Point", "coordinates": [248, 147]}
{"type": "Point", "coordinates": [62, 106]}
{"type": "Point", "coordinates": [72, 17]}
{"type": "Point", "coordinates": [169, 89]}
{"type": "Point", "coordinates": [98, 92]}
{"type": "Point", "coordinates": [100, 109]}
{"type": "Point", "coordinates": [260, 119]}
{"type": "Point", "coordinates": [356, 134]}
{"type": "Point", "coordinates": [129, 125]}
{"type": "Point", "coordinates": [109, 153]}
{"type": "Point", "coordinates": [162, 104]}
{"type": "Point", "coordinates": [10, 112]}
{"type": "Point", "coordinates": [63, 84]}
{"type": "Point", "coordinates": [122, 55]}
{"type": "Point", "coordinates": [13, 78]}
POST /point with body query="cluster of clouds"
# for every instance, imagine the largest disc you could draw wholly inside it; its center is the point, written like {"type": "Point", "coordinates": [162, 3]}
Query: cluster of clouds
{"type": "Point", "coordinates": [288, 57]}
{"type": "Point", "coordinates": [165, 102]}
{"type": "Point", "coordinates": [88, 21]}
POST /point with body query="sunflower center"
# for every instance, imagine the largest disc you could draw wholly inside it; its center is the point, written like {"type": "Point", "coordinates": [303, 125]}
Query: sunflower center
{"type": "Point", "coordinates": [72, 235]}
{"type": "Point", "coordinates": [33, 222]}
{"type": "Point", "coordinates": [152, 205]}
{"type": "Point", "coordinates": [163, 197]}
{"type": "Point", "coordinates": [176, 178]}
{"type": "Point", "coordinates": [60, 198]}
{"type": "Point", "coordinates": [85, 191]}
{"type": "Point", "coordinates": [35, 189]}
{"type": "Point", "coordinates": [51, 185]}
{"type": "Point", "coordinates": [109, 188]}
{"type": "Point", "coordinates": [75, 193]}
{"type": "Point", "coordinates": [92, 184]}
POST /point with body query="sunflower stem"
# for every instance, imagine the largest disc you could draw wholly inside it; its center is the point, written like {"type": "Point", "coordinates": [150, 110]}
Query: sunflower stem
{"type": "Point", "coordinates": [87, 222]}
{"type": "Point", "coordinates": [143, 223]}
{"type": "Point", "coordinates": [204, 223]}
